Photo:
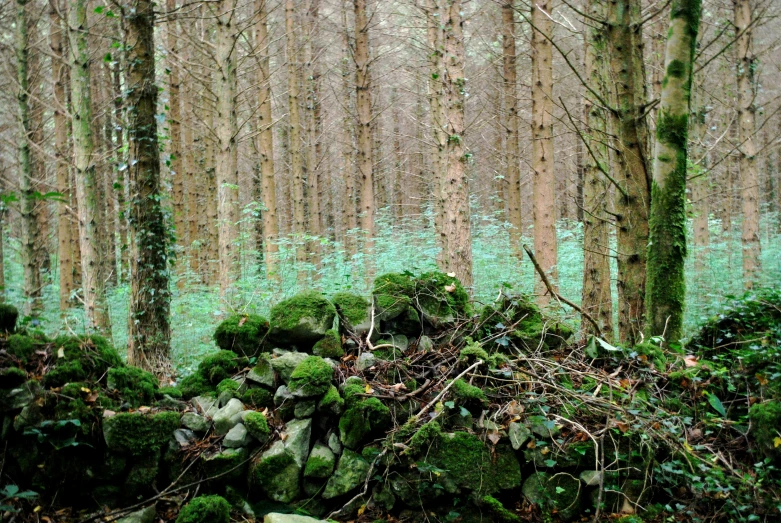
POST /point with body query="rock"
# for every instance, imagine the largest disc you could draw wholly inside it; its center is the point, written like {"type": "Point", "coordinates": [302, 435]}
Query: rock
{"type": "Point", "coordinates": [399, 343]}
{"type": "Point", "coordinates": [285, 364]}
{"type": "Point", "coordinates": [30, 416]}
{"type": "Point", "coordinates": [205, 405]}
{"type": "Point", "coordinates": [229, 462]}
{"type": "Point", "coordinates": [304, 318]}
{"type": "Point", "coordinates": [334, 444]}
{"type": "Point", "coordinates": [276, 517]}
{"type": "Point", "coordinates": [305, 409]}
{"type": "Point", "coordinates": [138, 434]}
{"type": "Point", "coordinates": [170, 403]}
{"type": "Point", "coordinates": [145, 515]}
{"type": "Point", "coordinates": [24, 395]}
{"type": "Point", "coordinates": [350, 473]}
{"type": "Point", "coordinates": [228, 416]}
{"type": "Point", "coordinates": [184, 436]}
{"type": "Point", "coordinates": [237, 437]}
{"type": "Point", "coordinates": [559, 492]}
{"type": "Point", "coordinates": [544, 427]}
{"type": "Point", "coordinates": [354, 310]}
{"type": "Point", "coordinates": [263, 372]}
{"type": "Point", "coordinates": [365, 361]}
{"type": "Point", "coordinates": [297, 442]}
{"type": "Point", "coordinates": [321, 462]}
{"type": "Point", "coordinates": [224, 397]}
{"type": "Point", "coordinates": [425, 344]}
{"type": "Point", "coordinates": [519, 434]}
{"type": "Point", "coordinates": [332, 402]}
{"type": "Point", "coordinates": [282, 395]}
{"type": "Point", "coordinates": [277, 473]}
{"type": "Point", "coordinates": [312, 377]}
{"type": "Point", "coordinates": [195, 423]}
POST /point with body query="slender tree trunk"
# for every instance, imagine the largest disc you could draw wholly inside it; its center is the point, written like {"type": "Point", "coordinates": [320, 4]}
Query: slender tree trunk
{"type": "Point", "coordinates": [314, 146]}
{"type": "Point", "coordinates": [700, 185]}
{"type": "Point", "coordinates": [632, 173]}
{"type": "Point", "coordinates": [93, 278]}
{"type": "Point", "coordinates": [365, 128]}
{"type": "Point", "coordinates": [120, 188]}
{"type": "Point", "coordinates": [149, 329]}
{"type": "Point", "coordinates": [294, 132]}
{"type": "Point", "coordinates": [456, 229]}
{"type": "Point", "coordinates": [544, 198]}
{"type": "Point", "coordinates": [596, 298]}
{"type": "Point", "coordinates": [175, 160]}
{"type": "Point", "coordinates": [350, 207]}
{"type": "Point", "coordinates": [512, 133]}
{"type": "Point", "coordinates": [62, 154]}
{"type": "Point", "coordinates": [747, 128]}
{"type": "Point", "coordinates": [398, 160]}
{"type": "Point", "coordinates": [438, 108]}
{"type": "Point", "coordinates": [666, 287]}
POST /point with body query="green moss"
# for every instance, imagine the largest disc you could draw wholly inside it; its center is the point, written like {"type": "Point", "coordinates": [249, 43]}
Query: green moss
{"type": "Point", "coordinates": [676, 69]}
{"type": "Point", "coordinates": [8, 317]}
{"type": "Point", "coordinates": [220, 365]}
{"type": "Point", "coordinates": [258, 398]}
{"type": "Point", "coordinates": [332, 401]}
{"type": "Point", "coordinates": [205, 509]}
{"type": "Point", "coordinates": [264, 472]}
{"type": "Point", "coordinates": [766, 426]}
{"type": "Point", "coordinates": [496, 507]}
{"type": "Point", "coordinates": [472, 352]}
{"type": "Point", "coordinates": [351, 307]}
{"type": "Point", "coordinates": [195, 385]}
{"type": "Point", "coordinates": [70, 404]}
{"type": "Point", "coordinates": [367, 417]}
{"type": "Point", "coordinates": [530, 328]}
{"type": "Point", "coordinates": [173, 392]}
{"type": "Point", "coordinates": [228, 462]}
{"type": "Point", "coordinates": [228, 385]}
{"type": "Point", "coordinates": [330, 346]}
{"type": "Point", "coordinates": [12, 377]}
{"type": "Point", "coordinates": [352, 393]}
{"type": "Point", "coordinates": [257, 425]}
{"type": "Point", "coordinates": [309, 306]}
{"type": "Point", "coordinates": [311, 377]}
{"type": "Point", "coordinates": [441, 295]}
{"type": "Point", "coordinates": [83, 357]}
{"type": "Point", "coordinates": [21, 346]}
{"type": "Point", "coordinates": [317, 467]}
{"type": "Point", "coordinates": [393, 293]}
{"type": "Point", "coordinates": [673, 129]}
{"type": "Point", "coordinates": [557, 492]}
{"type": "Point", "coordinates": [425, 436]}
{"type": "Point", "coordinates": [242, 334]}
{"type": "Point", "coordinates": [467, 393]}
{"type": "Point", "coordinates": [139, 434]}
{"type": "Point", "coordinates": [136, 386]}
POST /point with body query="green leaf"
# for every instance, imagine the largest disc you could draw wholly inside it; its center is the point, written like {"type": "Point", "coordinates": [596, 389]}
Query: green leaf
{"type": "Point", "coordinates": [605, 345]}
{"type": "Point", "coordinates": [559, 490]}
{"type": "Point", "coordinates": [715, 402]}
{"type": "Point", "coordinates": [99, 9]}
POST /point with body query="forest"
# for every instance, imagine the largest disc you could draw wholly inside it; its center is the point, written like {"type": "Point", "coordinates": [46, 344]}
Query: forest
{"type": "Point", "coordinates": [390, 260]}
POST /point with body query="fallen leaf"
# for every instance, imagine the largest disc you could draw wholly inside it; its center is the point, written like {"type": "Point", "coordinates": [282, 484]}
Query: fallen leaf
{"type": "Point", "coordinates": [623, 427]}
{"type": "Point", "coordinates": [776, 442]}
{"type": "Point", "coordinates": [450, 288]}
{"type": "Point", "coordinates": [690, 360]}
{"type": "Point", "coordinates": [108, 413]}
{"type": "Point", "coordinates": [61, 352]}
{"type": "Point", "coordinates": [544, 451]}
{"type": "Point", "coordinates": [762, 380]}
{"type": "Point", "coordinates": [85, 389]}
{"type": "Point", "coordinates": [532, 444]}
{"type": "Point", "coordinates": [243, 320]}
{"type": "Point", "coordinates": [368, 389]}
{"type": "Point", "coordinates": [494, 437]}
{"type": "Point", "coordinates": [283, 436]}
{"type": "Point", "coordinates": [361, 510]}
{"type": "Point", "coordinates": [92, 397]}
{"type": "Point", "coordinates": [398, 387]}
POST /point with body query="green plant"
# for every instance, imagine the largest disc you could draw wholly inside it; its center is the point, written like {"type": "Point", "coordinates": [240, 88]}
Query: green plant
{"type": "Point", "coordinates": [12, 492]}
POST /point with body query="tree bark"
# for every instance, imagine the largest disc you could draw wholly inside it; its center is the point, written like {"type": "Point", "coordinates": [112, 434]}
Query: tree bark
{"type": "Point", "coordinates": [438, 108]}
{"type": "Point", "coordinates": [149, 329]}
{"type": "Point", "coordinates": [365, 135]}
{"type": "Point", "coordinates": [544, 198]}
{"type": "Point", "coordinates": [666, 285]}
{"type": "Point", "coordinates": [512, 134]}
{"type": "Point", "coordinates": [93, 278]}
{"type": "Point", "coordinates": [175, 156]}
{"type": "Point", "coordinates": [294, 133]}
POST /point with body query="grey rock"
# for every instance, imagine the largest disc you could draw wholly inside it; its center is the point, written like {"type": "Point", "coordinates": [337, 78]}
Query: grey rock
{"type": "Point", "coordinates": [297, 442]}
{"type": "Point", "coordinates": [282, 395]}
{"type": "Point", "coordinates": [205, 405]}
{"type": "Point", "coordinates": [195, 423]}
{"type": "Point", "coordinates": [365, 361]}
{"type": "Point", "coordinates": [282, 485]}
{"type": "Point", "coordinates": [227, 417]}
{"type": "Point", "coordinates": [334, 444]}
{"type": "Point", "coordinates": [224, 397]}
{"type": "Point", "coordinates": [305, 409]}
{"type": "Point", "coordinates": [321, 462]}
{"type": "Point", "coordinates": [519, 434]}
{"type": "Point", "coordinates": [184, 436]}
{"type": "Point", "coordinates": [350, 473]}
{"type": "Point", "coordinates": [30, 416]}
{"type": "Point", "coordinates": [145, 515]}
{"type": "Point", "coordinates": [286, 363]}
{"type": "Point", "coordinates": [24, 395]}
{"type": "Point", "coordinates": [399, 341]}
{"type": "Point", "coordinates": [425, 344]}
{"type": "Point", "coordinates": [275, 517]}
{"type": "Point", "coordinates": [263, 372]}
{"type": "Point", "coordinates": [237, 437]}
{"type": "Point", "coordinates": [544, 427]}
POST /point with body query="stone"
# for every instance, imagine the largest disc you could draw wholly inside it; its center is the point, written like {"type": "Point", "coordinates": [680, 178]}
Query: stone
{"type": "Point", "coordinates": [263, 372]}
{"type": "Point", "coordinates": [334, 444]}
{"type": "Point", "coordinates": [425, 344]}
{"type": "Point", "coordinates": [205, 405]}
{"type": "Point", "coordinates": [305, 409]}
{"type": "Point", "coordinates": [184, 436]}
{"type": "Point", "coordinates": [286, 363]}
{"type": "Point", "coordinates": [229, 462]}
{"type": "Point", "coordinates": [276, 517]}
{"type": "Point", "coordinates": [145, 515]}
{"type": "Point", "coordinates": [350, 473]}
{"type": "Point", "coordinates": [195, 423]}
{"type": "Point", "coordinates": [297, 442]}
{"type": "Point", "coordinates": [282, 395]}
{"type": "Point", "coordinates": [321, 462]}
{"type": "Point", "coordinates": [277, 474]}
{"type": "Point", "coordinates": [23, 396]}
{"type": "Point", "coordinates": [544, 427]}
{"type": "Point", "coordinates": [237, 437]}
{"type": "Point", "coordinates": [224, 397]}
{"type": "Point", "coordinates": [302, 319]}
{"type": "Point", "coordinates": [560, 492]}
{"type": "Point", "coordinates": [519, 434]}
{"type": "Point", "coordinates": [312, 377]}
{"type": "Point", "coordinates": [228, 417]}
{"type": "Point", "coordinates": [365, 361]}
{"type": "Point", "coordinates": [399, 343]}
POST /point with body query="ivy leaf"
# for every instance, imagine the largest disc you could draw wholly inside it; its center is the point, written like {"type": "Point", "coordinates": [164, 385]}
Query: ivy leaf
{"type": "Point", "coordinates": [715, 402]}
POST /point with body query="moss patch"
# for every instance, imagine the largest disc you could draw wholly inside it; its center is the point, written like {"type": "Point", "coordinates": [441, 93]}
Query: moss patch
{"type": "Point", "coordinates": [135, 386]}
{"type": "Point", "coordinates": [330, 346]}
{"type": "Point", "coordinates": [139, 434]}
{"type": "Point", "coordinates": [257, 425]}
{"type": "Point", "coordinates": [766, 426]}
{"type": "Point", "coordinates": [498, 510]}
{"type": "Point", "coordinates": [367, 417]}
{"type": "Point", "coordinates": [205, 509]}
{"type": "Point", "coordinates": [467, 393]}
{"type": "Point", "coordinates": [303, 318]}
{"type": "Point", "coordinates": [439, 295]}
{"type": "Point", "coordinates": [8, 317]}
{"type": "Point", "coordinates": [242, 334]}
{"type": "Point", "coordinates": [352, 307]}
{"type": "Point", "coordinates": [83, 357]}
{"type": "Point", "coordinates": [311, 377]}
{"type": "Point", "coordinates": [393, 293]}
{"type": "Point", "coordinates": [21, 347]}
{"type": "Point", "coordinates": [257, 398]}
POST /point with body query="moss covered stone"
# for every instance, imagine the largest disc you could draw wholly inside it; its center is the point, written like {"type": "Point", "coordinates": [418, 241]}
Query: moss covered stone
{"type": "Point", "coordinates": [228, 462]}
{"type": "Point", "coordinates": [393, 294]}
{"type": "Point", "coordinates": [205, 509]}
{"type": "Point", "coordinates": [365, 418]}
{"type": "Point", "coordinates": [20, 346]}
{"type": "Point", "coordinates": [353, 309]}
{"type": "Point", "coordinates": [8, 317]}
{"type": "Point", "coordinates": [228, 385]}
{"type": "Point", "coordinates": [277, 474]}
{"type": "Point", "coordinates": [531, 328]}
{"type": "Point", "coordinates": [136, 386]}
{"type": "Point", "coordinates": [302, 319]}
{"type": "Point", "coordinates": [79, 358]}
{"type": "Point", "coordinates": [330, 346]}
{"type": "Point", "coordinates": [195, 385]}
{"type": "Point", "coordinates": [12, 377]}
{"type": "Point", "coordinates": [502, 514]}
{"type": "Point", "coordinates": [425, 436]}
{"type": "Point", "coordinates": [257, 398]}
{"type": "Point", "coordinates": [554, 492]}
{"type": "Point", "coordinates": [257, 425]}
{"type": "Point", "coordinates": [311, 377]}
{"type": "Point", "coordinates": [331, 402]}
{"type": "Point", "coordinates": [220, 365]}
{"type": "Point", "coordinates": [321, 462]}
{"type": "Point", "coordinates": [765, 426]}
{"type": "Point", "coordinates": [441, 298]}
{"type": "Point", "coordinates": [350, 473]}
{"type": "Point", "coordinates": [242, 334]}
{"type": "Point", "coordinates": [139, 434]}
{"type": "Point", "coordinates": [468, 394]}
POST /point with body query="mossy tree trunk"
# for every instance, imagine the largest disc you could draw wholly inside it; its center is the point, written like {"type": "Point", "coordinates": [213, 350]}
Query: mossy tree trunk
{"type": "Point", "coordinates": [149, 330]}
{"type": "Point", "coordinates": [93, 278]}
{"type": "Point", "coordinates": [666, 286]}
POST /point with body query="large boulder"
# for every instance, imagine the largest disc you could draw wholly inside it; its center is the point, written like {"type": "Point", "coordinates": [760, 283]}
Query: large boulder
{"type": "Point", "coordinates": [242, 334]}
{"type": "Point", "coordinates": [277, 474]}
{"type": "Point", "coordinates": [139, 434]}
{"type": "Point", "coordinates": [312, 377]}
{"type": "Point", "coordinates": [302, 319]}
{"type": "Point", "coordinates": [350, 474]}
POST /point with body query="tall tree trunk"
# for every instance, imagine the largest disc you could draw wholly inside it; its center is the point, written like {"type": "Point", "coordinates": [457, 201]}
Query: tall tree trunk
{"type": "Point", "coordinates": [456, 229]}
{"type": "Point", "coordinates": [363, 109]}
{"type": "Point", "coordinates": [350, 207]}
{"type": "Point", "coordinates": [436, 95]}
{"type": "Point", "coordinates": [596, 298]}
{"type": "Point", "coordinates": [93, 278]}
{"type": "Point", "coordinates": [314, 145]}
{"type": "Point", "coordinates": [226, 168]}
{"type": "Point", "coordinates": [149, 329]}
{"type": "Point", "coordinates": [294, 132]}
{"type": "Point", "coordinates": [120, 188]}
{"type": "Point", "coordinates": [27, 174]}
{"type": "Point", "coordinates": [624, 44]}
{"type": "Point", "coordinates": [666, 287]}
{"type": "Point", "coordinates": [175, 161]}
{"type": "Point", "coordinates": [544, 198]}
{"type": "Point", "coordinates": [700, 184]}
{"type": "Point", "coordinates": [512, 139]}
{"type": "Point", "coordinates": [747, 128]}
{"type": "Point", "coordinates": [62, 154]}
{"type": "Point", "coordinates": [266, 144]}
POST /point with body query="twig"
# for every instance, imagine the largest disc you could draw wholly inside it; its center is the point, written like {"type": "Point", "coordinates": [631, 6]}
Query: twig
{"type": "Point", "coordinates": [443, 391]}
{"type": "Point", "coordinates": [557, 295]}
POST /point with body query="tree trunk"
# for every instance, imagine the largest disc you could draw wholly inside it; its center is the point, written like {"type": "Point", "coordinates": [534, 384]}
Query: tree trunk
{"type": "Point", "coordinates": [93, 278]}
{"type": "Point", "coordinates": [120, 187]}
{"type": "Point", "coordinates": [436, 95]}
{"type": "Point", "coordinates": [350, 206]}
{"type": "Point", "coordinates": [747, 128]}
{"type": "Point", "coordinates": [175, 159]}
{"type": "Point", "coordinates": [666, 286]}
{"type": "Point", "coordinates": [456, 230]}
{"type": "Point", "coordinates": [149, 329]}
{"type": "Point", "coordinates": [512, 133]}
{"type": "Point", "coordinates": [624, 44]}
{"type": "Point", "coordinates": [365, 140]}
{"type": "Point", "coordinates": [700, 186]}
{"type": "Point", "coordinates": [294, 133]}
{"type": "Point", "coordinates": [544, 198]}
